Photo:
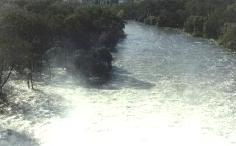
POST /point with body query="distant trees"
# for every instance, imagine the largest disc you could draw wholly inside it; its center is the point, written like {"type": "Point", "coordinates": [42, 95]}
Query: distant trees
{"type": "Point", "coordinates": [204, 18]}
{"type": "Point", "coordinates": [100, 2]}
{"type": "Point", "coordinates": [169, 13]}
{"type": "Point", "coordinates": [194, 25]}
{"type": "Point", "coordinates": [228, 37]}
{"type": "Point", "coordinates": [216, 17]}
{"type": "Point", "coordinates": [29, 29]}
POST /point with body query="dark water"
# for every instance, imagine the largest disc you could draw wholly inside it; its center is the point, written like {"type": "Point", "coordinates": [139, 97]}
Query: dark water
{"type": "Point", "coordinates": [168, 89]}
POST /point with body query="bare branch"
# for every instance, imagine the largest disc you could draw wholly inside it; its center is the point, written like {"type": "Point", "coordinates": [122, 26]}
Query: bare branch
{"type": "Point", "coordinates": [8, 76]}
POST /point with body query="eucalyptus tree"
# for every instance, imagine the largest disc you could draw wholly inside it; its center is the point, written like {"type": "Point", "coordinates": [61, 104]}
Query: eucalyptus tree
{"type": "Point", "coordinates": [26, 36]}
{"type": "Point", "coordinates": [29, 29]}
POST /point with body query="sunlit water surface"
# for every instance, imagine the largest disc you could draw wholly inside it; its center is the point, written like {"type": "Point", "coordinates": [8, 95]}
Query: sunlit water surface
{"type": "Point", "coordinates": [168, 89]}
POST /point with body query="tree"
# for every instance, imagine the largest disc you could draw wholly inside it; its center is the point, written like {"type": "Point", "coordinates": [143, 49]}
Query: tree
{"type": "Point", "coordinates": [33, 28]}
{"type": "Point", "coordinates": [27, 34]}
{"type": "Point", "coordinates": [228, 37]}
{"type": "Point", "coordinates": [194, 25]}
{"type": "Point", "coordinates": [4, 77]}
{"type": "Point", "coordinates": [230, 13]}
{"type": "Point", "coordinates": [213, 24]}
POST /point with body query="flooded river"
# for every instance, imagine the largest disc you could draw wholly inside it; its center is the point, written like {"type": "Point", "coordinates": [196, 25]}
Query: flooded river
{"type": "Point", "coordinates": [167, 89]}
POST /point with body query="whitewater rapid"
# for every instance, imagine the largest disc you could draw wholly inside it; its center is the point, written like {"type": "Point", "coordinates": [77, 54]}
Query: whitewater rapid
{"type": "Point", "coordinates": [167, 89]}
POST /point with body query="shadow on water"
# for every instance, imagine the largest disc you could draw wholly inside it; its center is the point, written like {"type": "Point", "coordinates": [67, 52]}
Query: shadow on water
{"type": "Point", "coordinates": [118, 70]}
{"type": "Point", "coordinates": [120, 78]}
{"type": "Point", "coordinates": [10, 137]}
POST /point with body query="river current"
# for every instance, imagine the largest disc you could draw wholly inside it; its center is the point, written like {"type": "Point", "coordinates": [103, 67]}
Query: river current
{"type": "Point", "coordinates": [167, 89]}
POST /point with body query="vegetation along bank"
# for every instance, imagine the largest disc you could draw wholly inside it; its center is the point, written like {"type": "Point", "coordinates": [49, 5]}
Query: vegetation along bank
{"type": "Point", "coordinates": [39, 34]}
{"type": "Point", "coordinates": [215, 19]}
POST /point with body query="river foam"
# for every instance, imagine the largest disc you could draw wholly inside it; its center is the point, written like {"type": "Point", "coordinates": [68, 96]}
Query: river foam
{"type": "Point", "coordinates": [168, 89]}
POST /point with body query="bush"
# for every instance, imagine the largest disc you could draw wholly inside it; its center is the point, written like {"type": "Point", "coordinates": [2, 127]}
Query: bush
{"type": "Point", "coordinates": [151, 20]}
{"type": "Point", "coordinates": [194, 25]}
{"type": "Point", "coordinates": [31, 28]}
{"type": "Point", "coordinates": [228, 38]}
{"type": "Point", "coordinates": [95, 63]}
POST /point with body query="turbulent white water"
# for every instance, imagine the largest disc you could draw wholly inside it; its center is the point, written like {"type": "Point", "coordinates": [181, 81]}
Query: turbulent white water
{"type": "Point", "coordinates": [168, 89]}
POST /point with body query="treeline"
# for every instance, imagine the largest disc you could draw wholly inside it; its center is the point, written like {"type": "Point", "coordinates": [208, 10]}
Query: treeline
{"type": "Point", "coordinates": [34, 31]}
{"type": "Point", "coordinates": [204, 18]}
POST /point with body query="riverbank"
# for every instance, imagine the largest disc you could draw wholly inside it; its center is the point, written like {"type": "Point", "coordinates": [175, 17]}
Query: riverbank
{"type": "Point", "coordinates": [200, 18]}
{"type": "Point", "coordinates": [220, 42]}
{"type": "Point", "coordinates": [62, 34]}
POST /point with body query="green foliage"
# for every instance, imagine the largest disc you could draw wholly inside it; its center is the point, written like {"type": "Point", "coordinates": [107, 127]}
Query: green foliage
{"type": "Point", "coordinates": [213, 24]}
{"type": "Point", "coordinates": [230, 13]}
{"type": "Point", "coordinates": [32, 28]}
{"type": "Point", "coordinates": [168, 13]}
{"type": "Point", "coordinates": [151, 20]}
{"type": "Point", "coordinates": [228, 38]}
{"type": "Point", "coordinates": [207, 18]}
{"type": "Point", "coordinates": [203, 18]}
{"type": "Point", "coordinates": [94, 63]}
{"type": "Point", "coordinates": [194, 25]}
{"type": "Point", "coordinates": [25, 33]}
{"type": "Point", "coordinates": [99, 27]}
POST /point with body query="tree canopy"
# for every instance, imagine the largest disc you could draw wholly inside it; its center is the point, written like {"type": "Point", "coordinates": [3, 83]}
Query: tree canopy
{"type": "Point", "coordinates": [204, 18]}
{"type": "Point", "coordinates": [29, 29]}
